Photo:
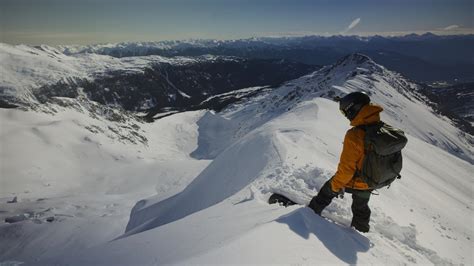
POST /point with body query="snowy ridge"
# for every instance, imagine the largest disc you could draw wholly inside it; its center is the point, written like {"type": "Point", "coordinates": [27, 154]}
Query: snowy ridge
{"type": "Point", "coordinates": [282, 142]}
{"type": "Point", "coordinates": [215, 171]}
{"type": "Point", "coordinates": [400, 99]}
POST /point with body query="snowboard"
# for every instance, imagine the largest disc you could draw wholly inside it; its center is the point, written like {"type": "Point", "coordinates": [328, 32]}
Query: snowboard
{"type": "Point", "coordinates": [280, 199]}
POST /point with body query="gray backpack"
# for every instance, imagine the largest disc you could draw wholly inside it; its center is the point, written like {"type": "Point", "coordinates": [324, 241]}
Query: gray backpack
{"type": "Point", "coordinates": [383, 157]}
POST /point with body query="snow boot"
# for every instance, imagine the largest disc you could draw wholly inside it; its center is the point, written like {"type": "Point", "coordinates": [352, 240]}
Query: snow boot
{"type": "Point", "coordinates": [361, 227]}
{"type": "Point", "coordinates": [323, 199]}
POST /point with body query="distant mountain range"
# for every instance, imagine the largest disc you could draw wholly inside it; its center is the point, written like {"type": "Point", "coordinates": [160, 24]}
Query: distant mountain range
{"type": "Point", "coordinates": [159, 86]}
{"type": "Point", "coordinates": [424, 58]}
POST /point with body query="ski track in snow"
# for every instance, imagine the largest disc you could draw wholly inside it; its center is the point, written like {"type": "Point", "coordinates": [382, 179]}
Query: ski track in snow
{"type": "Point", "coordinates": [204, 177]}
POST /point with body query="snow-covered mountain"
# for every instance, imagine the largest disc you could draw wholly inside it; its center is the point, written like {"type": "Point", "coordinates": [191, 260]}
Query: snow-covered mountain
{"type": "Point", "coordinates": [33, 75]}
{"type": "Point", "coordinates": [414, 45]}
{"type": "Point", "coordinates": [424, 58]}
{"type": "Point", "coordinates": [24, 68]}
{"type": "Point", "coordinates": [204, 178]}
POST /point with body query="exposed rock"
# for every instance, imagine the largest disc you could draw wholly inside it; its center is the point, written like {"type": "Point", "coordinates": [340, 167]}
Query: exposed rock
{"type": "Point", "coordinates": [16, 218]}
{"type": "Point", "coordinates": [14, 200]}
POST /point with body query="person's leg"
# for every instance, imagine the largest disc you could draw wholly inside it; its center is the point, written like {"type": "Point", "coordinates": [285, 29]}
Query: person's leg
{"type": "Point", "coordinates": [323, 199]}
{"type": "Point", "coordinates": [361, 211]}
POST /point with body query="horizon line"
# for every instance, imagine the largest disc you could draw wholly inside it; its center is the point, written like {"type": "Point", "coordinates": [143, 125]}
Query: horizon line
{"type": "Point", "coordinates": [270, 36]}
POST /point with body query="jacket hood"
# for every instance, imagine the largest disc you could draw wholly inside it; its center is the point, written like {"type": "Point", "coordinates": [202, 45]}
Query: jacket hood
{"type": "Point", "coordinates": [369, 114]}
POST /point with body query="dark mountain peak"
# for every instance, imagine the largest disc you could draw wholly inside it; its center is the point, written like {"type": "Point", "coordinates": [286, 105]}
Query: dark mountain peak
{"type": "Point", "coordinates": [411, 35]}
{"type": "Point", "coordinates": [355, 59]}
{"type": "Point", "coordinates": [429, 34]}
{"type": "Point", "coordinates": [419, 37]}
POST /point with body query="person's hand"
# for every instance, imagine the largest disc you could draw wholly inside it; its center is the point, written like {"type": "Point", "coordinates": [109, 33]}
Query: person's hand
{"type": "Point", "coordinates": [340, 193]}
{"type": "Point", "coordinates": [337, 194]}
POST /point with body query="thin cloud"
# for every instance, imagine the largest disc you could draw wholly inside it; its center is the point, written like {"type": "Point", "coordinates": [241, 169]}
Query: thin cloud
{"type": "Point", "coordinates": [451, 27]}
{"type": "Point", "coordinates": [354, 23]}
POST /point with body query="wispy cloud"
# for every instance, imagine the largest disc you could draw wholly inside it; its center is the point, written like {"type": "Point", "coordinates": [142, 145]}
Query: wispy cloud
{"type": "Point", "coordinates": [451, 27]}
{"type": "Point", "coordinates": [354, 23]}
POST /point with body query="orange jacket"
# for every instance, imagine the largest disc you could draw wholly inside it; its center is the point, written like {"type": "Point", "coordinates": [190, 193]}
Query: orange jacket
{"type": "Point", "coordinates": [352, 155]}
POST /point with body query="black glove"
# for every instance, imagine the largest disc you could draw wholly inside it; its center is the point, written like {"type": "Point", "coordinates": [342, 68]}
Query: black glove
{"type": "Point", "coordinates": [327, 189]}
{"type": "Point", "coordinates": [339, 194]}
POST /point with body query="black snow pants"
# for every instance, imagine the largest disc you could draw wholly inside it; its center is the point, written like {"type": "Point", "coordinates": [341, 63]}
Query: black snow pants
{"type": "Point", "coordinates": [360, 205]}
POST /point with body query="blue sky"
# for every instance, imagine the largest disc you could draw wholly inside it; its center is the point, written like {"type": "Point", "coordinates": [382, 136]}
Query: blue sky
{"type": "Point", "coordinates": [89, 21]}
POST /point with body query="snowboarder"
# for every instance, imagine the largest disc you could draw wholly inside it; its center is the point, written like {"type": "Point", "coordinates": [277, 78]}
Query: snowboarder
{"type": "Point", "coordinates": [357, 108]}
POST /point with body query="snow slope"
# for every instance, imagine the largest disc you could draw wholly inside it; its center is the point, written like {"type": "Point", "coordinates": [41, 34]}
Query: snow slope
{"type": "Point", "coordinates": [414, 221]}
{"type": "Point", "coordinates": [287, 141]}
{"type": "Point", "coordinates": [86, 172]}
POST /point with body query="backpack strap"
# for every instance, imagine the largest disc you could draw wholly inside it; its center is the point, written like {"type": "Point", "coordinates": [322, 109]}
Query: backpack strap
{"type": "Point", "coordinates": [358, 172]}
{"type": "Point", "coordinates": [368, 127]}
{"type": "Point", "coordinates": [363, 127]}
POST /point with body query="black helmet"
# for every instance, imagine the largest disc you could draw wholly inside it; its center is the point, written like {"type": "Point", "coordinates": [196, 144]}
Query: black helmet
{"type": "Point", "coordinates": [351, 104]}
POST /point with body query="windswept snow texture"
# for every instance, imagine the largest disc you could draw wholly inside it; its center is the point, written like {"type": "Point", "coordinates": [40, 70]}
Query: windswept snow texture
{"type": "Point", "coordinates": [85, 172]}
{"type": "Point", "coordinates": [288, 141]}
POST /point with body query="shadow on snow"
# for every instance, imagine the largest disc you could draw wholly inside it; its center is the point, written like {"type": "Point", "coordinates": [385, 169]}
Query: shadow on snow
{"type": "Point", "coordinates": [341, 241]}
